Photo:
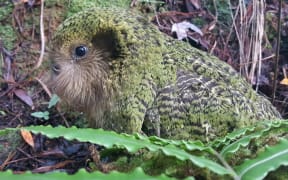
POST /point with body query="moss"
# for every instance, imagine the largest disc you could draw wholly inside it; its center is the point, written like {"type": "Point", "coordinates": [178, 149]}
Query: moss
{"type": "Point", "coordinates": [199, 21]}
{"type": "Point", "coordinates": [156, 163]}
{"type": "Point", "coordinates": [5, 9]}
{"type": "Point", "coordinates": [78, 5]}
{"type": "Point", "coordinates": [270, 29]}
{"type": "Point", "coordinates": [8, 36]}
{"type": "Point", "coordinates": [223, 10]}
{"type": "Point", "coordinates": [7, 33]}
{"type": "Point", "coordinates": [9, 141]}
{"type": "Point", "coordinates": [52, 3]}
{"type": "Point", "coordinates": [215, 101]}
{"type": "Point", "coordinates": [279, 174]}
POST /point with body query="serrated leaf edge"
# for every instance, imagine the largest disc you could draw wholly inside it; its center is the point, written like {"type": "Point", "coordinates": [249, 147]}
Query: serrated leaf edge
{"type": "Point", "coordinates": [200, 161]}
{"type": "Point", "coordinates": [265, 160]}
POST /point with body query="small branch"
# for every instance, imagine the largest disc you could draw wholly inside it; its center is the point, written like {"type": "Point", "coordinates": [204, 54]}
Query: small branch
{"type": "Point", "coordinates": [133, 3]}
{"type": "Point", "coordinates": [216, 10]}
{"type": "Point", "coordinates": [40, 60]}
{"type": "Point", "coordinates": [8, 160]}
{"type": "Point", "coordinates": [232, 26]}
{"type": "Point", "coordinates": [277, 52]}
{"type": "Point", "coordinates": [44, 86]}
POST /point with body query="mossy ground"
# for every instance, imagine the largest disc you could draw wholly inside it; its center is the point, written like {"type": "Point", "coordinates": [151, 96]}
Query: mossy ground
{"type": "Point", "coordinates": [7, 31]}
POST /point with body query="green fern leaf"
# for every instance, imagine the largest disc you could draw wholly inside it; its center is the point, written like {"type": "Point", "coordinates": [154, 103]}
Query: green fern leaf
{"type": "Point", "coordinates": [242, 137]}
{"type": "Point", "coordinates": [82, 174]}
{"type": "Point", "coordinates": [231, 137]}
{"type": "Point", "coordinates": [244, 141]}
{"type": "Point", "coordinates": [269, 160]}
{"type": "Point", "coordinates": [131, 143]}
{"type": "Point", "coordinates": [186, 145]}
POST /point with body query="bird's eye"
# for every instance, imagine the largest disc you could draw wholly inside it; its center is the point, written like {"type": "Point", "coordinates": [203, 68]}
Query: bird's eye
{"type": "Point", "coordinates": [56, 68]}
{"type": "Point", "coordinates": [81, 51]}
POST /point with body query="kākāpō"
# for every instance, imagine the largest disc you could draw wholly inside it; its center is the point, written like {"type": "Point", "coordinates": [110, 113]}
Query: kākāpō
{"type": "Point", "coordinates": [127, 76]}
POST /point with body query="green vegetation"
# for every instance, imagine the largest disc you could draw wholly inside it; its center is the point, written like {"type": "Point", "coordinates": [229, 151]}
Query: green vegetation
{"type": "Point", "coordinates": [7, 32]}
{"type": "Point", "coordinates": [78, 5]}
{"type": "Point", "coordinates": [263, 146]}
{"type": "Point", "coordinates": [9, 141]}
{"type": "Point", "coordinates": [222, 9]}
{"type": "Point", "coordinates": [138, 173]}
{"type": "Point", "coordinates": [45, 115]}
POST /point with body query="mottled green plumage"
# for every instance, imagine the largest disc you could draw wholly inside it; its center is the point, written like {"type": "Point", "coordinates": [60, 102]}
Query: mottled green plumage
{"type": "Point", "coordinates": [135, 77]}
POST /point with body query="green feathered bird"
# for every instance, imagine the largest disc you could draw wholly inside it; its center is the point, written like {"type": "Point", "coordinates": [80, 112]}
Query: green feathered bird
{"type": "Point", "coordinates": [127, 76]}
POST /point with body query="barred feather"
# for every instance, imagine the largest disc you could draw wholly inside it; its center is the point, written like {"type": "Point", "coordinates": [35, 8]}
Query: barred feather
{"type": "Point", "coordinates": [135, 78]}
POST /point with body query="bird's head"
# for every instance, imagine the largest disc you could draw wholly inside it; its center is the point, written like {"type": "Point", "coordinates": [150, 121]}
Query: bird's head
{"type": "Point", "coordinates": [83, 50]}
{"type": "Point", "coordinates": [98, 51]}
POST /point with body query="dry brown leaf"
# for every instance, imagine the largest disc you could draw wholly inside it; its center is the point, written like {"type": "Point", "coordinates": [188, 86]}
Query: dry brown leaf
{"type": "Point", "coordinates": [27, 136]}
{"type": "Point", "coordinates": [21, 94]}
{"type": "Point", "coordinates": [284, 81]}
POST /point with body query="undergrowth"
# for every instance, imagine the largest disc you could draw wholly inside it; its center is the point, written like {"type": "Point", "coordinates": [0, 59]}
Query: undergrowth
{"type": "Point", "coordinates": [249, 153]}
{"type": "Point", "coordinates": [255, 152]}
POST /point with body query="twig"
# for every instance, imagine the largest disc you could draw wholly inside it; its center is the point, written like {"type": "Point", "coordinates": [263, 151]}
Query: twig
{"type": "Point", "coordinates": [133, 3]}
{"type": "Point", "coordinates": [238, 34]}
{"type": "Point", "coordinates": [8, 160]}
{"type": "Point", "coordinates": [40, 60]}
{"type": "Point", "coordinates": [232, 26]}
{"type": "Point", "coordinates": [213, 47]}
{"type": "Point", "coordinates": [50, 95]}
{"type": "Point", "coordinates": [256, 40]}
{"type": "Point", "coordinates": [158, 22]}
{"type": "Point", "coordinates": [16, 17]}
{"type": "Point", "coordinates": [44, 86]}
{"type": "Point", "coordinates": [263, 59]}
{"type": "Point", "coordinates": [29, 156]}
{"type": "Point", "coordinates": [277, 52]}
{"type": "Point", "coordinates": [216, 10]}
